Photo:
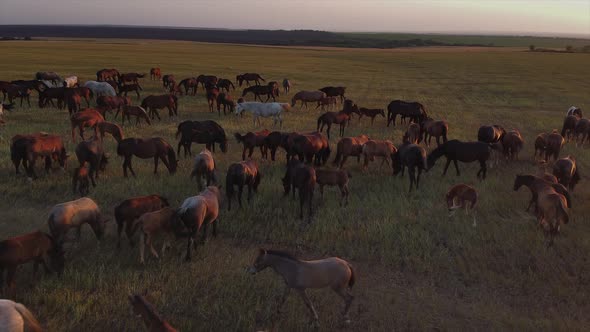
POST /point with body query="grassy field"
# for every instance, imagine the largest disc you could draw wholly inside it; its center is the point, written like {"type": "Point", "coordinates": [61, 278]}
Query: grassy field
{"type": "Point", "coordinates": [417, 268]}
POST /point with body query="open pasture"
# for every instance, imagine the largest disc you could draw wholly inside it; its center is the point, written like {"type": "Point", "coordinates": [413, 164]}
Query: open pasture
{"type": "Point", "coordinates": [417, 268]}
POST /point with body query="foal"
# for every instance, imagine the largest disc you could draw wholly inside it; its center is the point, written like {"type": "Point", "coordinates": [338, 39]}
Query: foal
{"type": "Point", "coordinates": [334, 177]}
{"type": "Point", "coordinates": [462, 196]}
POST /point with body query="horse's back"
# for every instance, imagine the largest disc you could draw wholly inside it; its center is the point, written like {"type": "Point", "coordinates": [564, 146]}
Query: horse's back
{"type": "Point", "coordinates": [332, 271]}
{"type": "Point", "coordinates": [10, 319]}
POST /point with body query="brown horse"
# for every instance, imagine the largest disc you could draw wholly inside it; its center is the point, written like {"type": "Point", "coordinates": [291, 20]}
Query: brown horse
{"type": "Point", "coordinates": [73, 215]}
{"type": "Point", "coordinates": [583, 129]}
{"type": "Point", "coordinates": [377, 148]}
{"type": "Point", "coordinates": [329, 118]}
{"type": "Point", "coordinates": [130, 77]}
{"type": "Point", "coordinates": [287, 85]}
{"type": "Point", "coordinates": [16, 91]}
{"type": "Point", "coordinates": [73, 103]}
{"type": "Point", "coordinates": [569, 127]}
{"type": "Point", "coordinates": [335, 91]}
{"type": "Point", "coordinates": [152, 320]}
{"type": "Point", "coordinates": [261, 90]}
{"type": "Point", "coordinates": [155, 224]}
{"type": "Point", "coordinates": [189, 84]}
{"type": "Point", "coordinates": [81, 91]}
{"type": "Point", "coordinates": [212, 93]}
{"type": "Point", "coordinates": [303, 178]}
{"type": "Point", "coordinates": [455, 150]}
{"type": "Point", "coordinates": [154, 147]}
{"type": "Point", "coordinates": [332, 272]}
{"type": "Point", "coordinates": [243, 173]}
{"type": "Point", "coordinates": [327, 103]}
{"type": "Point", "coordinates": [461, 196]}
{"type": "Point", "coordinates": [169, 81]}
{"type": "Point", "coordinates": [87, 117]}
{"type": "Point", "coordinates": [275, 140]}
{"type": "Point", "coordinates": [490, 134]}
{"type": "Point", "coordinates": [432, 128]}
{"type": "Point", "coordinates": [251, 140]}
{"type": "Point", "coordinates": [203, 132]}
{"type": "Point", "coordinates": [126, 88]}
{"type": "Point", "coordinates": [153, 103]}
{"type": "Point", "coordinates": [552, 212]}
{"type": "Point", "coordinates": [227, 101]}
{"type": "Point", "coordinates": [307, 96]}
{"type": "Point", "coordinates": [512, 144]}
{"type": "Point", "coordinates": [566, 172]}
{"type": "Point", "coordinates": [349, 147]}
{"type": "Point", "coordinates": [537, 185]}
{"type": "Point", "coordinates": [413, 134]}
{"type": "Point", "coordinates": [309, 146]}
{"type": "Point", "coordinates": [155, 74]}
{"type": "Point", "coordinates": [47, 96]}
{"type": "Point", "coordinates": [30, 147]}
{"type": "Point", "coordinates": [91, 152]}
{"type": "Point", "coordinates": [414, 110]}
{"type": "Point", "coordinates": [48, 76]}
{"type": "Point", "coordinates": [554, 144]}
{"type": "Point", "coordinates": [112, 128]}
{"type": "Point", "coordinates": [110, 103]}
{"type": "Point", "coordinates": [130, 209]}
{"type": "Point", "coordinates": [413, 157]}
{"type": "Point", "coordinates": [107, 74]}
{"type": "Point", "coordinates": [225, 84]}
{"type": "Point", "coordinates": [204, 166]}
{"type": "Point", "coordinates": [207, 80]}
{"type": "Point", "coordinates": [334, 177]}
{"type": "Point", "coordinates": [249, 77]}
{"type": "Point", "coordinates": [136, 111]}
{"type": "Point", "coordinates": [371, 113]}
{"type": "Point", "coordinates": [81, 180]}
{"type": "Point", "coordinates": [37, 247]}
{"type": "Point", "coordinates": [540, 145]}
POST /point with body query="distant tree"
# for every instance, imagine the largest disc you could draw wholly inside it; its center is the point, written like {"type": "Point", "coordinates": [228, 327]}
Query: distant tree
{"type": "Point", "coordinates": [569, 48]}
{"type": "Point", "coordinates": [531, 47]}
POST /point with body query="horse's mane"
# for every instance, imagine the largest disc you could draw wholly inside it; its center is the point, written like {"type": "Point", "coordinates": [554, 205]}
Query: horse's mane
{"type": "Point", "coordinates": [283, 254]}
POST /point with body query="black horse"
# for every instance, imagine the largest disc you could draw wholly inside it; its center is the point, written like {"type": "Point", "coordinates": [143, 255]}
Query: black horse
{"type": "Point", "coordinates": [466, 152]}
{"type": "Point", "coordinates": [413, 157]}
{"type": "Point", "coordinates": [204, 132]}
{"type": "Point", "coordinates": [414, 110]}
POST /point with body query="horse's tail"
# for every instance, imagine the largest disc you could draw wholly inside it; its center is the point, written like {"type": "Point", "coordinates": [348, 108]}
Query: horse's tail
{"type": "Point", "coordinates": [423, 110]}
{"type": "Point", "coordinates": [239, 137]}
{"type": "Point", "coordinates": [320, 120]}
{"type": "Point", "coordinates": [178, 131]}
{"type": "Point", "coordinates": [30, 322]}
{"type": "Point", "coordinates": [352, 278]}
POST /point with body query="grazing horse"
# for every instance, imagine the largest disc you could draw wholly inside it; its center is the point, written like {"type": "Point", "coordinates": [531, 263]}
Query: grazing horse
{"type": "Point", "coordinates": [204, 166]}
{"type": "Point", "coordinates": [203, 132]}
{"type": "Point", "coordinates": [153, 103]}
{"type": "Point", "coordinates": [30, 84]}
{"type": "Point", "coordinates": [155, 73]}
{"type": "Point", "coordinates": [225, 84]}
{"type": "Point", "coordinates": [537, 185]}
{"type": "Point", "coordinates": [377, 148]}
{"type": "Point", "coordinates": [152, 320]}
{"type": "Point", "coordinates": [334, 177]}
{"type": "Point", "coordinates": [73, 215]}
{"type": "Point", "coordinates": [70, 82]}
{"type": "Point", "coordinates": [540, 145]}
{"type": "Point", "coordinates": [29, 147]}
{"type": "Point", "coordinates": [413, 157]}
{"type": "Point", "coordinates": [512, 144]}
{"type": "Point", "coordinates": [371, 112]}
{"type": "Point", "coordinates": [554, 144]}
{"type": "Point", "coordinates": [335, 91]}
{"type": "Point", "coordinates": [107, 74]}
{"type": "Point", "coordinates": [130, 209]}
{"type": "Point", "coordinates": [109, 103]}
{"type": "Point", "coordinates": [575, 111]}
{"type": "Point", "coordinates": [249, 77]}
{"type": "Point", "coordinates": [329, 118]}
{"type": "Point", "coordinates": [583, 129]}
{"type": "Point", "coordinates": [243, 173]}
{"type": "Point", "coordinates": [332, 272]}
{"type": "Point", "coordinates": [461, 196]}
{"type": "Point", "coordinates": [569, 127]}
{"type": "Point", "coordinates": [81, 180]}
{"type": "Point", "coordinates": [264, 110]}
{"type": "Point", "coordinates": [303, 178]}
{"type": "Point", "coordinates": [130, 77]}
{"type": "Point", "coordinates": [16, 91]}
{"type": "Point", "coordinates": [261, 90]}
{"type": "Point", "coordinates": [309, 146]}
{"type": "Point", "coordinates": [327, 103]}
{"type": "Point", "coordinates": [87, 117]}
{"type": "Point", "coordinates": [212, 94]}
{"type": "Point", "coordinates": [200, 211]}
{"type": "Point", "coordinates": [455, 150]}
{"type": "Point", "coordinates": [112, 128]}
{"type": "Point", "coordinates": [91, 152]}
{"type": "Point", "coordinates": [566, 172]}
{"type": "Point", "coordinates": [552, 212]}
{"type": "Point", "coordinates": [49, 94]}
{"type": "Point", "coordinates": [273, 141]}
{"type": "Point", "coordinates": [48, 76]}
{"type": "Point", "coordinates": [137, 111]}
{"type": "Point", "coordinates": [227, 101]}
{"type": "Point", "coordinates": [307, 96]}
{"type": "Point", "coordinates": [432, 128]}
{"type": "Point", "coordinates": [349, 147]}
{"type": "Point", "coordinates": [73, 102]}
{"type": "Point", "coordinates": [414, 110]}
{"type": "Point", "coordinates": [413, 134]}
{"type": "Point", "coordinates": [100, 88]}
{"type": "Point", "coordinates": [490, 134]}
{"type": "Point", "coordinates": [287, 85]}
{"type": "Point", "coordinates": [37, 247]}
{"type": "Point", "coordinates": [189, 84]}
{"type": "Point", "coordinates": [207, 80]}
{"type": "Point", "coordinates": [151, 224]}
{"type": "Point", "coordinates": [15, 317]}
{"type": "Point", "coordinates": [251, 140]}
{"type": "Point", "coordinates": [80, 92]}
{"type": "Point", "coordinates": [154, 147]}
{"type": "Point", "coordinates": [168, 81]}
{"type": "Point", "coordinates": [126, 88]}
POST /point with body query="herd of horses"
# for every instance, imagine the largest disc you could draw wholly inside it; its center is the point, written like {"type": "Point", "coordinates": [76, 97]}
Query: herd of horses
{"type": "Point", "coordinates": [307, 156]}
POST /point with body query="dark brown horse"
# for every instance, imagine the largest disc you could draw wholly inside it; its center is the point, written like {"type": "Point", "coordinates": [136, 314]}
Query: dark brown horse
{"type": "Point", "coordinates": [130, 77]}
{"type": "Point", "coordinates": [540, 145]}
{"type": "Point", "coordinates": [153, 103]}
{"type": "Point", "coordinates": [554, 144]}
{"type": "Point", "coordinates": [225, 84]}
{"type": "Point", "coordinates": [260, 90]}
{"type": "Point", "coordinates": [86, 118]}
{"type": "Point", "coordinates": [512, 144]}
{"type": "Point", "coordinates": [244, 173]}
{"type": "Point", "coordinates": [335, 91]}
{"type": "Point", "coordinates": [47, 96]}
{"type": "Point", "coordinates": [73, 103]}
{"type": "Point", "coordinates": [189, 84]}
{"type": "Point", "coordinates": [110, 103]}
{"type": "Point", "coordinates": [130, 209]}
{"type": "Point", "coordinates": [302, 178]}
{"type": "Point", "coordinates": [432, 128]}
{"type": "Point", "coordinates": [414, 110]}
{"type": "Point", "coordinates": [126, 88]}
{"type": "Point", "coordinates": [582, 129]}
{"type": "Point", "coordinates": [413, 157]}
{"type": "Point", "coordinates": [169, 81]}
{"type": "Point", "coordinates": [249, 77]}
{"type": "Point", "coordinates": [566, 172]}
{"type": "Point", "coordinates": [329, 118]}
{"type": "Point", "coordinates": [155, 73]}
{"type": "Point", "coordinates": [107, 74]}
{"type": "Point", "coordinates": [91, 152]}
{"type": "Point", "coordinates": [81, 180]}
{"type": "Point", "coordinates": [14, 91]}
{"type": "Point", "coordinates": [30, 84]}
{"type": "Point", "coordinates": [275, 140]}
{"type": "Point", "coordinates": [309, 146]}
{"type": "Point", "coordinates": [206, 80]}
{"type": "Point", "coordinates": [27, 148]}
{"type": "Point", "coordinates": [154, 147]}
{"type": "Point", "coordinates": [227, 101]}
{"type": "Point", "coordinates": [203, 132]}
{"type": "Point", "coordinates": [455, 150]}
{"type": "Point", "coordinates": [371, 113]}
{"type": "Point", "coordinates": [490, 134]}
{"type": "Point", "coordinates": [252, 140]}
{"type": "Point", "coordinates": [48, 76]}
{"type": "Point", "coordinates": [136, 111]}
{"type": "Point", "coordinates": [349, 147]}
{"type": "Point", "coordinates": [569, 127]}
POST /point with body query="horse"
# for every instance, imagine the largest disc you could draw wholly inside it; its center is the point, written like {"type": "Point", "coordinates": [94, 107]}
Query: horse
{"type": "Point", "coordinates": [575, 111]}
{"type": "Point", "coordinates": [303, 178]}
{"type": "Point", "coordinates": [107, 74]}
{"type": "Point", "coordinates": [72, 215]}
{"type": "Point", "coordinates": [332, 272]}
{"type": "Point", "coordinates": [154, 147]}
{"type": "Point", "coordinates": [207, 80]}
{"type": "Point", "coordinates": [110, 103]}
{"type": "Point", "coordinates": [552, 212]}
{"type": "Point", "coordinates": [151, 224]}
{"type": "Point", "coordinates": [249, 77]}
{"type": "Point", "coordinates": [540, 145]}
{"type": "Point", "coordinates": [204, 166]}
{"type": "Point", "coordinates": [15, 317]}
{"type": "Point", "coordinates": [30, 147]}
{"type": "Point", "coordinates": [490, 134]}
{"type": "Point", "coordinates": [212, 93]}
{"type": "Point", "coordinates": [273, 141]}
{"type": "Point", "coordinates": [227, 101]}
{"type": "Point", "coordinates": [413, 157]}
{"type": "Point", "coordinates": [414, 110]}
{"type": "Point", "coordinates": [225, 84]}
{"type": "Point", "coordinates": [309, 146]}
{"type": "Point", "coordinates": [189, 84]}
{"type": "Point", "coordinates": [100, 88]}
{"type": "Point", "coordinates": [287, 85]}
{"type": "Point", "coordinates": [512, 144]}
{"type": "Point", "coordinates": [554, 144]}
{"type": "Point", "coordinates": [153, 103]}
{"type": "Point", "coordinates": [49, 94]}
{"type": "Point", "coordinates": [152, 320]}
{"type": "Point", "coordinates": [251, 140]}
{"type": "Point", "coordinates": [85, 118]}
{"type": "Point", "coordinates": [168, 81]}
{"type": "Point", "coordinates": [14, 91]}
{"type": "Point", "coordinates": [92, 153]}
{"type": "Point", "coordinates": [582, 128]}
{"type": "Point", "coordinates": [461, 196]}
{"type": "Point", "coordinates": [126, 88]}
{"type": "Point", "coordinates": [130, 77]}
{"type": "Point", "coordinates": [130, 209]}
{"type": "Point", "coordinates": [240, 174]}
{"type": "Point", "coordinates": [432, 128]}
{"type": "Point", "coordinates": [73, 102]}
{"type": "Point", "coordinates": [370, 112]}
{"type": "Point", "coordinates": [349, 147]}
{"type": "Point", "coordinates": [537, 185]}
{"type": "Point", "coordinates": [71, 82]}
{"type": "Point", "coordinates": [112, 128]}
{"type": "Point", "coordinates": [569, 127]}
{"type": "Point", "coordinates": [378, 148]}
{"type": "Point", "coordinates": [261, 90]}
{"type": "Point", "coordinates": [413, 134]}
{"type": "Point", "coordinates": [258, 110]}
{"type": "Point", "coordinates": [307, 96]}
{"type": "Point", "coordinates": [81, 180]}
{"type": "Point", "coordinates": [329, 118]}
{"type": "Point", "coordinates": [566, 172]}
{"type": "Point", "coordinates": [203, 132]}
{"type": "Point", "coordinates": [327, 103]}
{"type": "Point", "coordinates": [155, 74]}
{"type": "Point", "coordinates": [334, 177]}
{"type": "Point", "coordinates": [48, 76]}
{"type": "Point", "coordinates": [29, 84]}
{"type": "Point", "coordinates": [38, 247]}
{"type": "Point", "coordinates": [200, 211]}
{"type": "Point", "coordinates": [137, 111]}
{"type": "Point", "coordinates": [455, 150]}
{"type": "Point", "coordinates": [334, 91]}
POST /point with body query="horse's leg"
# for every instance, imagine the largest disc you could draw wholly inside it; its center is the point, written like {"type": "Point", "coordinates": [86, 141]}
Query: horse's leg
{"type": "Point", "coordinates": [251, 151]}
{"type": "Point", "coordinates": [447, 166]}
{"type": "Point", "coordinates": [283, 299]}
{"type": "Point", "coordinates": [456, 166]}
{"type": "Point", "coordinates": [348, 298]}
{"type": "Point", "coordinates": [156, 164]}
{"type": "Point", "coordinates": [240, 190]}
{"type": "Point", "coordinates": [309, 305]}
{"type": "Point", "coordinates": [244, 152]}
{"type": "Point", "coordinates": [131, 167]}
{"type": "Point", "coordinates": [484, 168]}
{"type": "Point", "coordinates": [188, 247]}
{"type": "Point", "coordinates": [165, 162]}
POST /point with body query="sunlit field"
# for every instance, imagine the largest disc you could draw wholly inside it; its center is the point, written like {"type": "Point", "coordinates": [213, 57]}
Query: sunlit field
{"type": "Point", "coordinates": [417, 268]}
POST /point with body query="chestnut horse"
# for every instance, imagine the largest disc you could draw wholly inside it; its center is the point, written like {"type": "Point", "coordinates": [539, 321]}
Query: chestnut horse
{"type": "Point", "coordinates": [91, 152]}
{"type": "Point", "coordinates": [251, 140]}
{"type": "Point", "coordinates": [349, 147]}
{"type": "Point", "coordinates": [30, 147]}
{"type": "Point", "coordinates": [107, 74]}
{"type": "Point", "coordinates": [189, 84]}
{"type": "Point", "coordinates": [329, 118]}
{"type": "Point", "coordinates": [309, 146]}
{"type": "Point", "coordinates": [87, 117]}
{"type": "Point", "coordinates": [153, 103]}
{"type": "Point", "coordinates": [307, 96]}
{"type": "Point", "coordinates": [243, 173]}
{"type": "Point", "coordinates": [154, 147]}
{"type": "Point", "coordinates": [249, 77]}
{"type": "Point", "coordinates": [437, 129]}
{"type": "Point", "coordinates": [110, 103]}
{"type": "Point", "coordinates": [130, 209]}
{"type": "Point", "coordinates": [155, 74]}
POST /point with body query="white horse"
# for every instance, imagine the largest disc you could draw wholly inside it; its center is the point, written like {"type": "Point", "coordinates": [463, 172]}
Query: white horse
{"type": "Point", "coordinates": [71, 81]}
{"type": "Point", "coordinates": [15, 317]}
{"type": "Point", "coordinates": [100, 88]}
{"type": "Point", "coordinates": [265, 110]}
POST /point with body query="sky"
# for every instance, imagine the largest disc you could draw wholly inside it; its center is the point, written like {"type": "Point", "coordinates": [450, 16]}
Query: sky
{"type": "Point", "coordinates": [549, 17]}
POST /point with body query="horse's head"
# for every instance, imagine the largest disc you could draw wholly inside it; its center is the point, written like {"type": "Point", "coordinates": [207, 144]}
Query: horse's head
{"type": "Point", "coordinates": [98, 226]}
{"type": "Point", "coordinates": [260, 263]}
